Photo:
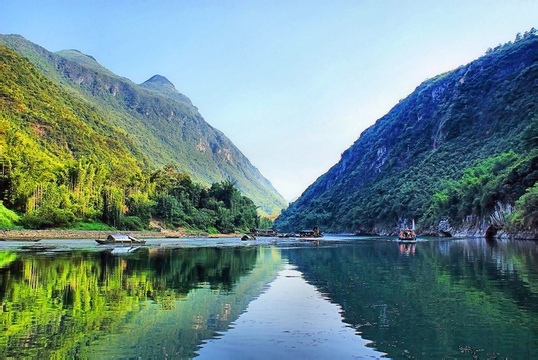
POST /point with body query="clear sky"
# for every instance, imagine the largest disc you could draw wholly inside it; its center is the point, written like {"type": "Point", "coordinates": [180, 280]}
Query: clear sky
{"type": "Point", "coordinates": [292, 83]}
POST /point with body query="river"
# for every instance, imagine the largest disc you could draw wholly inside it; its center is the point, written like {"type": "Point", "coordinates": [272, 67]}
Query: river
{"type": "Point", "coordinates": [345, 297]}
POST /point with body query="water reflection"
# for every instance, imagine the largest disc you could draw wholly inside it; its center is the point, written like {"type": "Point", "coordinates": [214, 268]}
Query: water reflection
{"type": "Point", "coordinates": [407, 249]}
{"type": "Point", "coordinates": [452, 299]}
{"type": "Point", "coordinates": [203, 313]}
{"type": "Point", "coordinates": [435, 299]}
{"type": "Point", "coordinates": [145, 304]}
{"type": "Point", "coordinates": [291, 320]}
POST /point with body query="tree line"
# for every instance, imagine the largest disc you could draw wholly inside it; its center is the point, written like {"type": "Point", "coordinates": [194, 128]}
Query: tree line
{"type": "Point", "coordinates": [85, 191]}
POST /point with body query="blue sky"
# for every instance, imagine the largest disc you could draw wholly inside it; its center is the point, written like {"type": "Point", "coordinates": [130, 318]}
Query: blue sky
{"type": "Point", "coordinates": [291, 83]}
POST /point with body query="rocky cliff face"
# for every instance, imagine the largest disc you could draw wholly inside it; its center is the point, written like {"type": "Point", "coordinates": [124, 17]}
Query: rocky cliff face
{"type": "Point", "coordinates": [393, 172]}
{"type": "Point", "coordinates": [161, 122]}
{"type": "Point", "coordinates": [490, 226]}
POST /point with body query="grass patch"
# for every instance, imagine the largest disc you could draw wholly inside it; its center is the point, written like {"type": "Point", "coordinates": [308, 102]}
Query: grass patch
{"type": "Point", "coordinates": [213, 231]}
{"type": "Point", "coordinates": [8, 218]}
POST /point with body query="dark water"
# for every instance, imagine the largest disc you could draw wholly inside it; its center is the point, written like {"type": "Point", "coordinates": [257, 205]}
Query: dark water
{"type": "Point", "coordinates": [228, 299]}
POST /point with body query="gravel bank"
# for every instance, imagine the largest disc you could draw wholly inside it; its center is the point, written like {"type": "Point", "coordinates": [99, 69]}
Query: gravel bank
{"type": "Point", "coordinates": [81, 234]}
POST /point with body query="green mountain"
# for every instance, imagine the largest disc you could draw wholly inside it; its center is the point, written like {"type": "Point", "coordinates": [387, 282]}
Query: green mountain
{"type": "Point", "coordinates": [161, 126]}
{"type": "Point", "coordinates": [47, 134]}
{"type": "Point", "coordinates": [458, 155]}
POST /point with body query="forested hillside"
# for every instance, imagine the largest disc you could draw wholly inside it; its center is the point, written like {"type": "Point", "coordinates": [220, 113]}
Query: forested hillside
{"type": "Point", "coordinates": [159, 121]}
{"type": "Point", "coordinates": [63, 162]}
{"type": "Point", "coordinates": [458, 155]}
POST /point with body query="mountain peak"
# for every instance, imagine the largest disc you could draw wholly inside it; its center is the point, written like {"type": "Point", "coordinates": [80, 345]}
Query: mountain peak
{"type": "Point", "coordinates": [159, 80]}
{"type": "Point", "coordinates": [164, 86]}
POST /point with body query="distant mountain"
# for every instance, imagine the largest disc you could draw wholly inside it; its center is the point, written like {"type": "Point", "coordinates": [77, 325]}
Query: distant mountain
{"type": "Point", "coordinates": [161, 123]}
{"type": "Point", "coordinates": [453, 155]}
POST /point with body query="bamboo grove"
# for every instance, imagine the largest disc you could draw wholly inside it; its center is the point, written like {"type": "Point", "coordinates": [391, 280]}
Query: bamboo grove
{"type": "Point", "coordinates": [85, 191]}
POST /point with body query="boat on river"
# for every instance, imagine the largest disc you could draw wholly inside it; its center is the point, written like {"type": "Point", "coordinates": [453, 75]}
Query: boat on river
{"type": "Point", "coordinates": [314, 233]}
{"type": "Point", "coordinates": [115, 239]}
{"type": "Point", "coordinates": [408, 235]}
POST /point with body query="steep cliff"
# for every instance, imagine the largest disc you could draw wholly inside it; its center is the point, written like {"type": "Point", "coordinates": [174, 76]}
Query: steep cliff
{"type": "Point", "coordinates": [397, 167]}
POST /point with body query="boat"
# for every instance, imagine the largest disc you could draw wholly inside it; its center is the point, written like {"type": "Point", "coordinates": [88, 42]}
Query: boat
{"type": "Point", "coordinates": [408, 235]}
{"type": "Point", "coordinates": [114, 239]}
{"type": "Point", "coordinates": [314, 233]}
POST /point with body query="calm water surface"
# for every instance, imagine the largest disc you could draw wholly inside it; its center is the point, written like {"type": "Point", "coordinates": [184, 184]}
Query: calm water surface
{"type": "Point", "coordinates": [346, 297]}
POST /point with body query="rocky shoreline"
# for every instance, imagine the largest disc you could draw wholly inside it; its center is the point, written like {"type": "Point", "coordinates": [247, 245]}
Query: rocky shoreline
{"type": "Point", "coordinates": [85, 234]}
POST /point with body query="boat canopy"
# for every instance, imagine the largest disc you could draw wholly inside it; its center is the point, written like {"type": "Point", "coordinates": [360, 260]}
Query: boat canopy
{"type": "Point", "coordinates": [118, 237]}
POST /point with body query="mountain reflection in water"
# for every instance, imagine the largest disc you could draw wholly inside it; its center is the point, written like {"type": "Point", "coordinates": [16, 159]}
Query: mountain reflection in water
{"type": "Point", "coordinates": [455, 298]}
{"type": "Point", "coordinates": [291, 320]}
{"type": "Point", "coordinates": [284, 298]}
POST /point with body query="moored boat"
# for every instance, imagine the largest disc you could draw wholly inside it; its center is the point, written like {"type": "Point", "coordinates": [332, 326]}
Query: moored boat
{"type": "Point", "coordinates": [119, 239]}
{"type": "Point", "coordinates": [408, 235]}
{"type": "Point", "coordinates": [314, 233]}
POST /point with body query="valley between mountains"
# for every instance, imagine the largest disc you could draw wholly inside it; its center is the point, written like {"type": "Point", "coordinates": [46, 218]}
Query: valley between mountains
{"type": "Point", "coordinates": [80, 144]}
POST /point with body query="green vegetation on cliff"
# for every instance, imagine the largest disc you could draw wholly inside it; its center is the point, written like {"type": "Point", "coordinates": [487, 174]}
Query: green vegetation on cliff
{"type": "Point", "coordinates": [484, 189]}
{"type": "Point", "coordinates": [153, 120]}
{"type": "Point", "coordinates": [61, 162]}
{"type": "Point", "coordinates": [418, 161]}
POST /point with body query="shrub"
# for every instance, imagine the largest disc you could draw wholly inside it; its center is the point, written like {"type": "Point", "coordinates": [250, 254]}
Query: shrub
{"type": "Point", "coordinates": [131, 223]}
{"type": "Point", "coordinates": [48, 218]}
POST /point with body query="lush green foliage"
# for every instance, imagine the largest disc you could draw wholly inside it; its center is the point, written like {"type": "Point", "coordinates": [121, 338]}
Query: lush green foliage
{"type": "Point", "coordinates": [502, 179]}
{"type": "Point", "coordinates": [418, 161]}
{"type": "Point", "coordinates": [91, 225]}
{"type": "Point", "coordinates": [526, 215]}
{"type": "Point", "coordinates": [8, 218]}
{"type": "Point", "coordinates": [163, 126]}
{"type": "Point", "coordinates": [61, 162]}
{"type": "Point", "coordinates": [182, 203]}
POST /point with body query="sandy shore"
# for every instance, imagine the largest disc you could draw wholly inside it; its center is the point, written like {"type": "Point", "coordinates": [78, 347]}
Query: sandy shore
{"type": "Point", "coordinates": [81, 234]}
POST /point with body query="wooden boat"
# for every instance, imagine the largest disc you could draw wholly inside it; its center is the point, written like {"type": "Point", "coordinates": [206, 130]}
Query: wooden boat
{"type": "Point", "coordinates": [408, 235]}
{"type": "Point", "coordinates": [114, 239]}
{"type": "Point", "coordinates": [314, 233]}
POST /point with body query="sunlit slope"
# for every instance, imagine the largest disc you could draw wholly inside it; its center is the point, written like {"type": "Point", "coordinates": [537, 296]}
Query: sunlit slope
{"type": "Point", "coordinates": [401, 167]}
{"type": "Point", "coordinates": [162, 123]}
{"type": "Point", "coordinates": [44, 130]}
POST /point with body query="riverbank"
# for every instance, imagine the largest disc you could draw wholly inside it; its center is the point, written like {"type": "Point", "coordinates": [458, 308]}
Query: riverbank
{"type": "Point", "coordinates": [86, 234]}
